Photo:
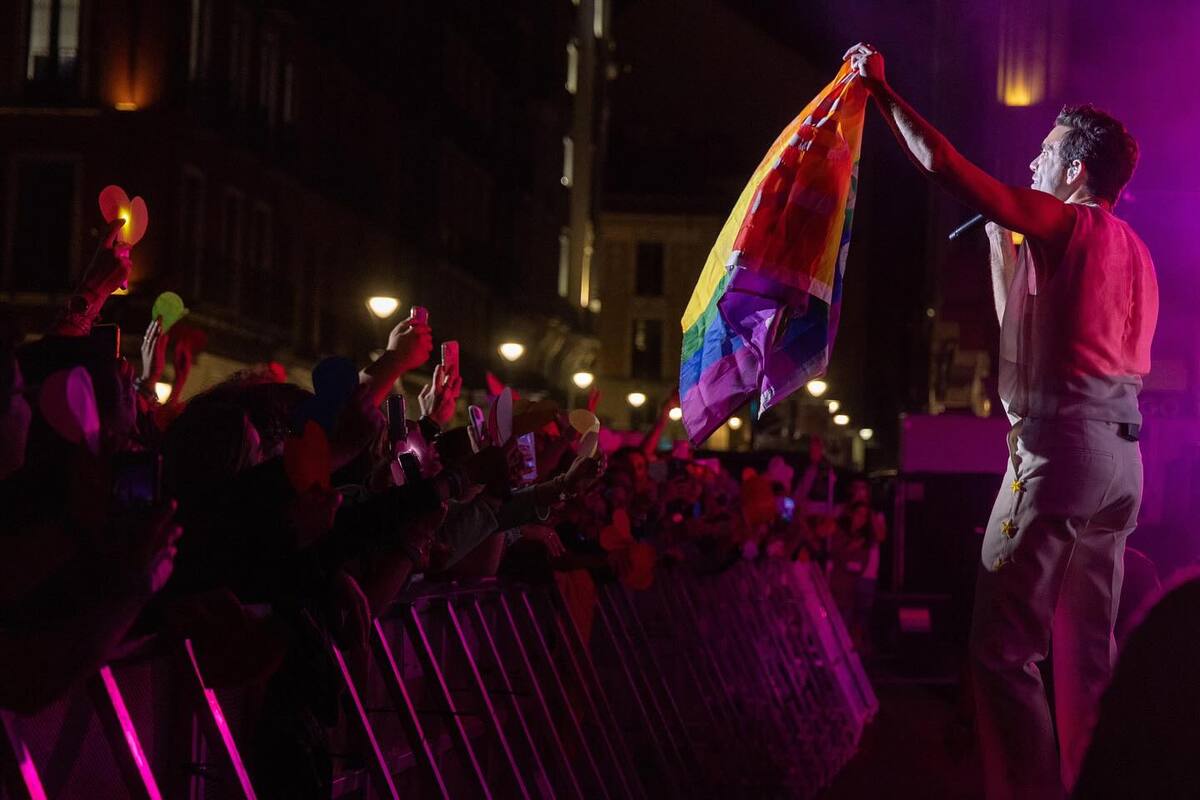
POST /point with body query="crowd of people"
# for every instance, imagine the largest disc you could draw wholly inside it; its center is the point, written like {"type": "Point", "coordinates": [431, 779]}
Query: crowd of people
{"type": "Point", "coordinates": [128, 516]}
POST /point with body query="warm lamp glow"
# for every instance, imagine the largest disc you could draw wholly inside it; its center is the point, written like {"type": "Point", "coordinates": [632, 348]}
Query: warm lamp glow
{"type": "Point", "coordinates": [126, 105]}
{"type": "Point", "coordinates": [833, 406]}
{"type": "Point", "coordinates": [817, 388]}
{"type": "Point", "coordinates": [382, 306]}
{"type": "Point", "coordinates": [841, 419]}
{"type": "Point", "coordinates": [636, 399]}
{"type": "Point", "coordinates": [162, 391]}
{"type": "Point", "coordinates": [866, 434]}
{"type": "Point", "coordinates": [511, 351]}
{"type": "Point", "coordinates": [675, 414]}
{"type": "Point", "coordinates": [735, 423]}
{"type": "Point", "coordinates": [1018, 238]}
{"type": "Point", "coordinates": [583, 379]}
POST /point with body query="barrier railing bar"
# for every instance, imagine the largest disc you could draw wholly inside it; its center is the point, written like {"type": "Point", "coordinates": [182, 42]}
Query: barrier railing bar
{"type": "Point", "coordinates": [20, 773]}
{"type": "Point", "coordinates": [568, 707]}
{"type": "Point", "coordinates": [585, 667]}
{"type": "Point", "coordinates": [122, 735]}
{"type": "Point", "coordinates": [638, 629]}
{"type": "Point", "coordinates": [649, 726]}
{"type": "Point", "coordinates": [485, 632]}
{"type": "Point", "coordinates": [485, 699]}
{"type": "Point", "coordinates": [393, 681]}
{"type": "Point", "coordinates": [640, 673]}
{"type": "Point", "coordinates": [212, 721]}
{"type": "Point", "coordinates": [433, 674]}
{"type": "Point", "coordinates": [717, 677]}
{"type": "Point", "coordinates": [541, 697]}
{"type": "Point", "coordinates": [381, 776]}
{"type": "Point", "coordinates": [556, 613]}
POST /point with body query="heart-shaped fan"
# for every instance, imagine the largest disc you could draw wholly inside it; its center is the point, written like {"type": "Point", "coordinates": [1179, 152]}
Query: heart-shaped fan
{"type": "Point", "coordinates": [115, 204]}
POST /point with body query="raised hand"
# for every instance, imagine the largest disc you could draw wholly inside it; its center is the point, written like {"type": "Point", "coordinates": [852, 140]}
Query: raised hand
{"type": "Point", "coordinates": [146, 552]}
{"type": "Point", "coordinates": [412, 342]}
{"type": "Point", "coordinates": [546, 536]}
{"type": "Point", "coordinates": [439, 398]}
{"type": "Point", "coordinates": [867, 62]}
{"type": "Point", "coordinates": [154, 352]}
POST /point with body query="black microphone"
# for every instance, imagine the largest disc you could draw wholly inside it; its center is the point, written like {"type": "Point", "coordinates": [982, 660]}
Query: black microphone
{"type": "Point", "coordinates": [969, 225]}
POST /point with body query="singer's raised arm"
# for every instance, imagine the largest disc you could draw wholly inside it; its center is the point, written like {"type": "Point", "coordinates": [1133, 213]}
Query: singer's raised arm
{"type": "Point", "coordinates": [1035, 214]}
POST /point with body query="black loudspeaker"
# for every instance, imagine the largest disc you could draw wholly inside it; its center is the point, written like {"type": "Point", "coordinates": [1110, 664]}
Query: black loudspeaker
{"type": "Point", "coordinates": [943, 518]}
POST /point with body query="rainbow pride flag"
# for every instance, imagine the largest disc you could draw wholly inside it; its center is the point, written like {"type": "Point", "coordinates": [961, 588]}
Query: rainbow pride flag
{"type": "Point", "coordinates": [764, 313]}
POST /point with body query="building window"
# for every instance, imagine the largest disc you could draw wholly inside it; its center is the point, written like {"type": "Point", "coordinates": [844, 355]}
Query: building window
{"type": "Point", "coordinates": [647, 349]}
{"type": "Point", "coordinates": [191, 226]}
{"type": "Point", "coordinates": [268, 76]}
{"type": "Point", "coordinates": [564, 262]}
{"type": "Point", "coordinates": [228, 266]}
{"type": "Point", "coordinates": [568, 170]}
{"type": "Point", "coordinates": [572, 67]}
{"type": "Point", "coordinates": [289, 93]}
{"type": "Point", "coordinates": [44, 218]}
{"type": "Point", "coordinates": [199, 39]}
{"type": "Point", "coordinates": [239, 58]}
{"type": "Point", "coordinates": [258, 276]}
{"type": "Point", "coordinates": [53, 41]}
{"type": "Point", "coordinates": [260, 236]}
{"type": "Point", "coordinates": [649, 273]}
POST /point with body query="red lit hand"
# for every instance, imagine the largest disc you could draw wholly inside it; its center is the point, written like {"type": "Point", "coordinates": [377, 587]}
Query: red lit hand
{"type": "Point", "coordinates": [439, 398]}
{"type": "Point", "coordinates": [867, 62]}
{"type": "Point", "coordinates": [412, 342]}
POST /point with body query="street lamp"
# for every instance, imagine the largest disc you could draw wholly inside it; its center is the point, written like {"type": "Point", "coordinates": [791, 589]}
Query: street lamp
{"type": "Point", "coordinates": [511, 351]}
{"type": "Point", "coordinates": [383, 306]}
{"type": "Point", "coordinates": [675, 414]}
{"type": "Point", "coordinates": [583, 379]}
{"type": "Point", "coordinates": [817, 388]}
{"type": "Point", "coordinates": [866, 434]}
{"type": "Point", "coordinates": [636, 399]}
{"type": "Point", "coordinates": [841, 419]}
{"type": "Point", "coordinates": [833, 406]}
{"type": "Point", "coordinates": [735, 423]}
{"type": "Point", "coordinates": [162, 391]}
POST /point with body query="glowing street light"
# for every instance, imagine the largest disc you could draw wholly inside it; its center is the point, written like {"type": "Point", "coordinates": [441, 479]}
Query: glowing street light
{"type": "Point", "coordinates": [841, 419]}
{"type": "Point", "coordinates": [735, 423]}
{"type": "Point", "coordinates": [675, 414]}
{"type": "Point", "coordinates": [636, 399]}
{"type": "Point", "coordinates": [382, 306]}
{"type": "Point", "coordinates": [162, 391]}
{"type": "Point", "coordinates": [583, 379]}
{"type": "Point", "coordinates": [817, 388]}
{"type": "Point", "coordinates": [833, 406]}
{"type": "Point", "coordinates": [866, 434]}
{"type": "Point", "coordinates": [511, 351]}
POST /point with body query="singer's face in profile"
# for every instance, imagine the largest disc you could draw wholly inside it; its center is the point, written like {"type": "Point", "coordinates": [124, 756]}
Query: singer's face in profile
{"type": "Point", "coordinates": [1049, 171]}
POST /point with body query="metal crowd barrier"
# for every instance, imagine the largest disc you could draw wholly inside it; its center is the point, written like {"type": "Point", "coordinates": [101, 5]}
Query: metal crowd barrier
{"type": "Point", "coordinates": [737, 684]}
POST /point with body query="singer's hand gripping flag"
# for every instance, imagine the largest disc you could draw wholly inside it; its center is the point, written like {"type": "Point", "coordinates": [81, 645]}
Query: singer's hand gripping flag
{"type": "Point", "coordinates": [762, 318]}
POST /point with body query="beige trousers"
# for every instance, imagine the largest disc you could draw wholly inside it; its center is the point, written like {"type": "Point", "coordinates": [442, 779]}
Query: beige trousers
{"type": "Point", "coordinates": [1051, 570]}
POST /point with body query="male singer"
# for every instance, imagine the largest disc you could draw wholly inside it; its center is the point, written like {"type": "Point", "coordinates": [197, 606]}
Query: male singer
{"type": "Point", "coordinates": [1077, 305]}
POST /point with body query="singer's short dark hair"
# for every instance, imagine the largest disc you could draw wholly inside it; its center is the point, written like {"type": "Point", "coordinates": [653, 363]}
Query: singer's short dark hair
{"type": "Point", "coordinates": [1104, 146]}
